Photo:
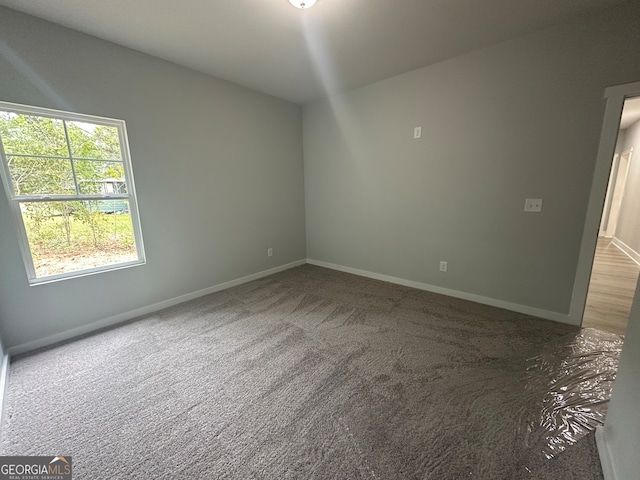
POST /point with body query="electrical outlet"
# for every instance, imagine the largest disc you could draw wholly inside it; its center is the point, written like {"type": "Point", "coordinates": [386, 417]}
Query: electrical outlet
{"type": "Point", "coordinates": [417, 132]}
{"type": "Point", "coordinates": [269, 252]}
{"type": "Point", "coordinates": [533, 205]}
{"type": "Point", "coordinates": [443, 266]}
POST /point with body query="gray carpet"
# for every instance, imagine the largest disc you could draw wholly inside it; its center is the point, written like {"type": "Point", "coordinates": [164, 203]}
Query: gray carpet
{"type": "Point", "coordinates": [309, 373]}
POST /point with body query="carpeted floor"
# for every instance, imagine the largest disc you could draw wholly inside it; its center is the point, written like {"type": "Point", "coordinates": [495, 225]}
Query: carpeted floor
{"type": "Point", "coordinates": [309, 373]}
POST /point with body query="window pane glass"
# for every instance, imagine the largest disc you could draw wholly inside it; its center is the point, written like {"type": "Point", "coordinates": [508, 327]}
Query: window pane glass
{"type": "Point", "coordinates": [97, 177]}
{"type": "Point", "coordinates": [89, 140]}
{"type": "Point", "coordinates": [72, 236]}
{"type": "Point", "coordinates": [32, 135]}
{"type": "Point", "coordinates": [35, 176]}
{"type": "Point", "coordinates": [57, 159]}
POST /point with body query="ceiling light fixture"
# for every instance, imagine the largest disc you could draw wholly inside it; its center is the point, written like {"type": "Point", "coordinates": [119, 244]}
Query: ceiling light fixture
{"type": "Point", "coordinates": [302, 3]}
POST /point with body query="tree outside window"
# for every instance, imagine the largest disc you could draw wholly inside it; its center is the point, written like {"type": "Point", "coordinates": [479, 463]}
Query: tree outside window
{"type": "Point", "coordinates": [69, 180]}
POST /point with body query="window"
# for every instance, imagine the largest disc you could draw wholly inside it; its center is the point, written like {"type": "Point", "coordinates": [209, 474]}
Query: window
{"type": "Point", "coordinates": [69, 181]}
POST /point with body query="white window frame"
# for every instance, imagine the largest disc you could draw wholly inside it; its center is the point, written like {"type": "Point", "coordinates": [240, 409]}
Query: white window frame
{"type": "Point", "coordinates": [15, 200]}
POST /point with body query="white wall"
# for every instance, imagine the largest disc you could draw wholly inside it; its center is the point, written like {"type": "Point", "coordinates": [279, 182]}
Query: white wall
{"type": "Point", "coordinates": [218, 171]}
{"type": "Point", "coordinates": [628, 227]}
{"type": "Point", "coordinates": [612, 176]}
{"type": "Point", "coordinates": [514, 121]}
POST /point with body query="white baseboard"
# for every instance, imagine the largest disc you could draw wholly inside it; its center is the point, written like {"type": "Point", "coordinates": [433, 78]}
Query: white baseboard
{"type": "Point", "coordinates": [626, 249]}
{"type": "Point", "coordinates": [123, 317]}
{"type": "Point", "coordinates": [131, 314]}
{"type": "Point", "coordinates": [4, 384]}
{"type": "Point", "coordinates": [536, 312]}
{"type": "Point", "coordinates": [604, 454]}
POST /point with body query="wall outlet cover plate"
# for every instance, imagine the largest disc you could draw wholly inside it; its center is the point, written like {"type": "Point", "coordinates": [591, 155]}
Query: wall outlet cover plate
{"type": "Point", "coordinates": [533, 205]}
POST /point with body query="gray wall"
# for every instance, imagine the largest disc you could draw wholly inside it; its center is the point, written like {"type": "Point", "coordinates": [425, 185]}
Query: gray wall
{"type": "Point", "coordinates": [218, 171]}
{"type": "Point", "coordinates": [628, 227]}
{"type": "Point", "coordinates": [518, 120]}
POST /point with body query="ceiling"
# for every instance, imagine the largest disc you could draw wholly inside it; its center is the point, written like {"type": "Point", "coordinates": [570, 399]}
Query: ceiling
{"type": "Point", "coordinates": [300, 55]}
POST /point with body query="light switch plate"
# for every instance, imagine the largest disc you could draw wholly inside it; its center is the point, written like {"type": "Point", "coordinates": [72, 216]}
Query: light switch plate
{"type": "Point", "coordinates": [417, 132]}
{"type": "Point", "coordinates": [533, 205]}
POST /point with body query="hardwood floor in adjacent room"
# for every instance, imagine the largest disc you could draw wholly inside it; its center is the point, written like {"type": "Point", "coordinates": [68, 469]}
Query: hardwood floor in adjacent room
{"type": "Point", "coordinates": [611, 289]}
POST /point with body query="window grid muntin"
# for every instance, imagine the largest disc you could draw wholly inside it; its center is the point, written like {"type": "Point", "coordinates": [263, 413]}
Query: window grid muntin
{"type": "Point", "coordinates": [56, 157]}
{"type": "Point", "coordinates": [70, 158]}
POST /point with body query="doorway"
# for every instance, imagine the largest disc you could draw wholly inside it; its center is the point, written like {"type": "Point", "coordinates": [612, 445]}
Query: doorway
{"type": "Point", "coordinates": [616, 262]}
{"type": "Point", "coordinates": [616, 188]}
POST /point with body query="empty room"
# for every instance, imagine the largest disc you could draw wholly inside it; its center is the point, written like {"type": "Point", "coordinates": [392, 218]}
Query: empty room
{"type": "Point", "coordinates": [321, 239]}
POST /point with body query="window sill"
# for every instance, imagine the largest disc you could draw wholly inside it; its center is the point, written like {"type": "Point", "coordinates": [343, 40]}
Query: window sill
{"type": "Point", "coordinates": [33, 282]}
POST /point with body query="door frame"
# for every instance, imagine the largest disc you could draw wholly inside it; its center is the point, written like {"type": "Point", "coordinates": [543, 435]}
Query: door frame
{"type": "Point", "coordinates": [615, 97]}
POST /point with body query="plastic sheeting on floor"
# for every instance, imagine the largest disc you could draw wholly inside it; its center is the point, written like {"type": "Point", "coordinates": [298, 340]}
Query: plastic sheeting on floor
{"type": "Point", "coordinates": [572, 383]}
